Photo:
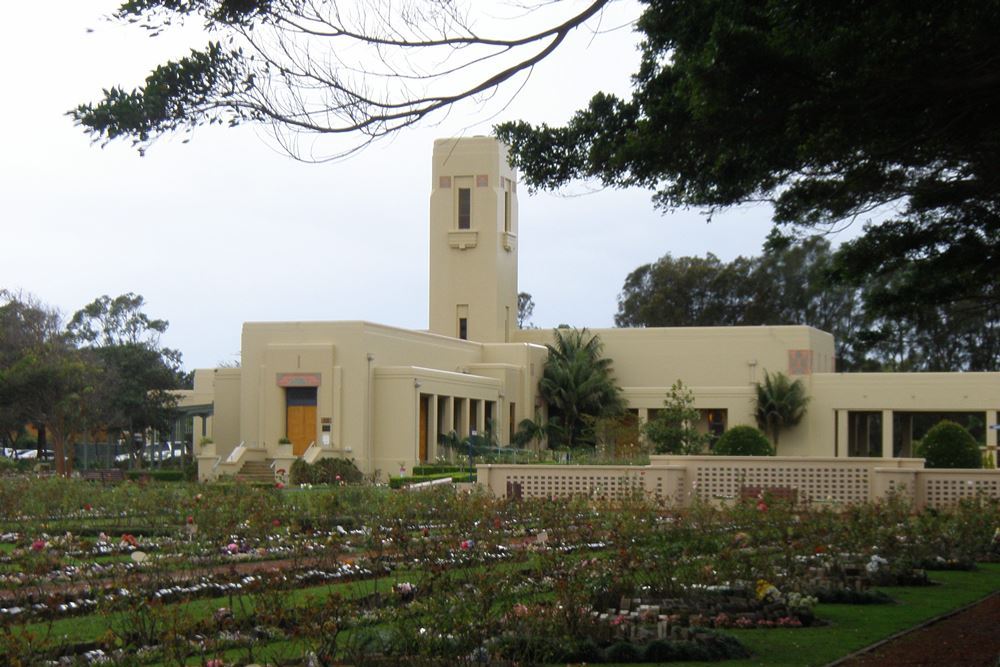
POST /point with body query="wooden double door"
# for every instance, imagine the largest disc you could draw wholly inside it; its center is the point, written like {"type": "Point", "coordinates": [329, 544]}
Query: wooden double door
{"type": "Point", "coordinates": [300, 417]}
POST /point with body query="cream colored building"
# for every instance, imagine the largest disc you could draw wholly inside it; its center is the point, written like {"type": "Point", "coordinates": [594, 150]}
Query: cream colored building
{"type": "Point", "coordinates": [382, 395]}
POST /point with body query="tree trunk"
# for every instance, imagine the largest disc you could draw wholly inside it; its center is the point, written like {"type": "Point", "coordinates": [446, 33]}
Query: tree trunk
{"type": "Point", "coordinates": [41, 444]}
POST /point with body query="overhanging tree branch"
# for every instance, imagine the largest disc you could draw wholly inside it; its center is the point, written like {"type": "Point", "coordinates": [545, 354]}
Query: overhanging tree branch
{"type": "Point", "coordinates": [311, 67]}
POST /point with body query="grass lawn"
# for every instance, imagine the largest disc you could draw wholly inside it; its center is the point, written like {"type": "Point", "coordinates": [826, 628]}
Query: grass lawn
{"type": "Point", "coordinates": [849, 627]}
{"type": "Point", "coordinates": [852, 627]}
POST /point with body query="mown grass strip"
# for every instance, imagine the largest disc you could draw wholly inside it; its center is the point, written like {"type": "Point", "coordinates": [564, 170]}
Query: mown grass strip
{"type": "Point", "coordinates": [853, 627]}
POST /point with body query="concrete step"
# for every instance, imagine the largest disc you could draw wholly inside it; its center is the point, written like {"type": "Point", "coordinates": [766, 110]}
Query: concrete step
{"type": "Point", "coordinates": [256, 471]}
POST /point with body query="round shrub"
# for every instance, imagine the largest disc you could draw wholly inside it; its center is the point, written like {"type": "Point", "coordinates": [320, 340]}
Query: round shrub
{"type": "Point", "coordinates": [743, 441]}
{"type": "Point", "coordinates": [325, 471]}
{"type": "Point", "coordinates": [949, 445]}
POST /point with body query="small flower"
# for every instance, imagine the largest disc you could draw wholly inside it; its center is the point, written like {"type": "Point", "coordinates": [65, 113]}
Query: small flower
{"type": "Point", "coordinates": [190, 519]}
{"type": "Point", "coordinates": [38, 545]}
{"type": "Point", "coordinates": [467, 544]}
{"type": "Point", "coordinates": [280, 485]}
{"type": "Point", "coordinates": [276, 523]}
{"type": "Point", "coordinates": [87, 507]}
{"type": "Point", "coordinates": [197, 498]}
{"type": "Point", "coordinates": [233, 548]}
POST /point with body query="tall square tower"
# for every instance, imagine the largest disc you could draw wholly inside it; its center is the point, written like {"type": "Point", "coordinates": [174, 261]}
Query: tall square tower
{"type": "Point", "coordinates": [473, 241]}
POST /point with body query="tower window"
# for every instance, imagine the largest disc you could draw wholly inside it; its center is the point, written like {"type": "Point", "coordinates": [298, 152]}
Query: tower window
{"type": "Point", "coordinates": [463, 328]}
{"type": "Point", "coordinates": [506, 211]}
{"type": "Point", "coordinates": [464, 208]}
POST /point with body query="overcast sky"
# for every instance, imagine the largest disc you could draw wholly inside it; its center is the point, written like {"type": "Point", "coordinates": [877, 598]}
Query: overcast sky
{"type": "Point", "coordinates": [226, 229]}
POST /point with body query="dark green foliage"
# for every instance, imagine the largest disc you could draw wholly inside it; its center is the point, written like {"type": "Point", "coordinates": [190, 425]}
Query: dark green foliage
{"type": "Point", "coordinates": [138, 376]}
{"type": "Point", "coordinates": [325, 471]}
{"type": "Point", "coordinates": [781, 403]}
{"type": "Point", "coordinates": [743, 441]}
{"type": "Point", "coordinates": [578, 385]}
{"type": "Point", "coordinates": [831, 111]}
{"type": "Point", "coordinates": [185, 93]}
{"type": "Point", "coordinates": [623, 652]}
{"type": "Point", "coordinates": [158, 475]}
{"type": "Point", "coordinates": [525, 307]}
{"type": "Point", "coordinates": [949, 445]}
{"type": "Point", "coordinates": [787, 284]}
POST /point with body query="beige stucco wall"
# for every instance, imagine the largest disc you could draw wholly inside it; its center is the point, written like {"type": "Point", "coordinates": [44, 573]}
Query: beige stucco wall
{"type": "Point", "coordinates": [837, 393]}
{"type": "Point", "coordinates": [704, 356]}
{"type": "Point", "coordinates": [356, 360]}
{"type": "Point", "coordinates": [397, 394]}
{"type": "Point", "coordinates": [372, 376]}
{"type": "Point", "coordinates": [226, 420]}
{"type": "Point", "coordinates": [475, 267]}
{"type": "Point", "coordinates": [719, 364]}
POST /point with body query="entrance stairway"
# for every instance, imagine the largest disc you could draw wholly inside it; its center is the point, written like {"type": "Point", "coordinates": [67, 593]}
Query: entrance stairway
{"type": "Point", "coordinates": [257, 472]}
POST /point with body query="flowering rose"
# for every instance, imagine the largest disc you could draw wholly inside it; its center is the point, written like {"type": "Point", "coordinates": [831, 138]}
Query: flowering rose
{"type": "Point", "coordinates": [38, 545]}
{"type": "Point", "coordinates": [190, 519]}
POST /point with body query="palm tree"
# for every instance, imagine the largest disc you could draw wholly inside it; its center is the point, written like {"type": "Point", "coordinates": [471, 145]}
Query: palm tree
{"type": "Point", "coordinates": [577, 383]}
{"type": "Point", "coordinates": [780, 403]}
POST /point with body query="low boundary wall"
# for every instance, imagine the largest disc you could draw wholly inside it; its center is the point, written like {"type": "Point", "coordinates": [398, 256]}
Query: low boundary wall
{"type": "Point", "coordinates": [680, 479]}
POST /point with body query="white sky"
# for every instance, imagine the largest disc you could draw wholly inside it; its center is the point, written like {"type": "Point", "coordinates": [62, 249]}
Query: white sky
{"type": "Point", "coordinates": [225, 229]}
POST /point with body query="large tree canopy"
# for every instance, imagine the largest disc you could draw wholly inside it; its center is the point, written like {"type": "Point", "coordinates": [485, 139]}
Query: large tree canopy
{"type": "Point", "coordinates": [833, 111]}
{"type": "Point", "coordinates": [364, 68]}
{"type": "Point", "coordinates": [790, 283]}
{"type": "Point", "coordinates": [104, 372]}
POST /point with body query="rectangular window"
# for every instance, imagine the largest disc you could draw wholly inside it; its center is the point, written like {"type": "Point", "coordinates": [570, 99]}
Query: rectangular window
{"type": "Point", "coordinates": [462, 313]}
{"type": "Point", "coordinates": [506, 211]}
{"type": "Point", "coordinates": [512, 416]}
{"type": "Point", "coordinates": [464, 208]}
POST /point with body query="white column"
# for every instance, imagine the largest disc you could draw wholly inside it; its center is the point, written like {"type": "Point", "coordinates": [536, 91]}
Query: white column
{"type": "Point", "coordinates": [466, 406]}
{"type": "Point", "coordinates": [887, 434]}
{"type": "Point", "coordinates": [991, 434]}
{"type": "Point", "coordinates": [481, 417]}
{"type": "Point", "coordinates": [843, 434]}
{"type": "Point", "coordinates": [432, 425]}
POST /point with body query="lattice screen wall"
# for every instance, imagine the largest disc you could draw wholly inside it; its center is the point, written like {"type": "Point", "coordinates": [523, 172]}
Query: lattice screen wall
{"type": "Point", "coordinates": [597, 483]}
{"type": "Point", "coordinates": [840, 483]}
{"type": "Point", "coordinates": [941, 490]}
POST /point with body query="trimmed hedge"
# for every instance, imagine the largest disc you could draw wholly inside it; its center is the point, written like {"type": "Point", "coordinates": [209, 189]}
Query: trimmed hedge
{"type": "Point", "coordinates": [174, 475]}
{"type": "Point", "coordinates": [743, 441]}
{"type": "Point", "coordinates": [460, 477]}
{"type": "Point", "coordinates": [949, 445]}
{"type": "Point", "coordinates": [434, 469]}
